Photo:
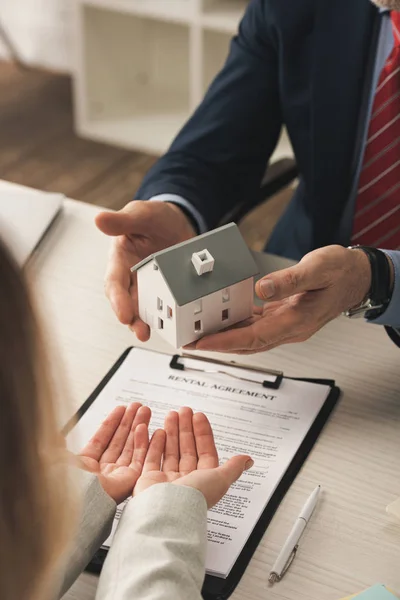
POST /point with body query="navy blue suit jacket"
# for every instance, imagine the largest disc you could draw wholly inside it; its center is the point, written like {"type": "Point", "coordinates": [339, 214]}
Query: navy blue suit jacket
{"type": "Point", "coordinates": [305, 64]}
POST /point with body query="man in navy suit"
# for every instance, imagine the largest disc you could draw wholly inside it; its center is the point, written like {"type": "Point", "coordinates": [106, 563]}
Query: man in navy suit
{"type": "Point", "coordinates": [329, 70]}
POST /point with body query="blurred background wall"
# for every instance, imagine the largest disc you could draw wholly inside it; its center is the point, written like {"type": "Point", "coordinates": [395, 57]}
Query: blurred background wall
{"type": "Point", "coordinates": [40, 30]}
{"type": "Point", "coordinates": [98, 93]}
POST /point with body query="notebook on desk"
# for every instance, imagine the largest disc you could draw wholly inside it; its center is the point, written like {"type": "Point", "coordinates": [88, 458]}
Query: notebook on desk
{"type": "Point", "coordinates": [376, 592]}
{"type": "Point", "coordinates": [275, 419]}
{"type": "Point", "coordinates": [25, 216]}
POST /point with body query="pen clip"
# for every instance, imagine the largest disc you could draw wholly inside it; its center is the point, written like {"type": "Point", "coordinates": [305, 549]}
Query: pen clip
{"type": "Point", "coordinates": [289, 562]}
{"type": "Point", "coordinates": [274, 577]}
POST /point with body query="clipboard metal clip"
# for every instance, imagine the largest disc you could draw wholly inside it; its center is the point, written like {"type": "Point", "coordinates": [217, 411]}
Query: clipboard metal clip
{"type": "Point", "coordinates": [177, 364]}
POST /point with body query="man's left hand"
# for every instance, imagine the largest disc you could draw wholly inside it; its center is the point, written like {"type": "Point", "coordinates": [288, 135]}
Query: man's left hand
{"type": "Point", "coordinates": [300, 300]}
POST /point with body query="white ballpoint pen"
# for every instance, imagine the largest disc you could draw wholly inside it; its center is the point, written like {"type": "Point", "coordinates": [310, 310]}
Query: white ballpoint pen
{"type": "Point", "coordinates": [288, 552]}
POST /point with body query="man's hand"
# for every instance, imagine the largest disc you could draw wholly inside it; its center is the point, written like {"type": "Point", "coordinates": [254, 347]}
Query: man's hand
{"type": "Point", "coordinates": [301, 300]}
{"type": "Point", "coordinates": [139, 229]}
{"type": "Point", "coordinates": [117, 451]}
{"type": "Point", "coordinates": [189, 458]}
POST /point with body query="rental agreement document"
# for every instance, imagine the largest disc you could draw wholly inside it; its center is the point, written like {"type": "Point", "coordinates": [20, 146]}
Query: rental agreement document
{"type": "Point", "coordinates": [246, 417]}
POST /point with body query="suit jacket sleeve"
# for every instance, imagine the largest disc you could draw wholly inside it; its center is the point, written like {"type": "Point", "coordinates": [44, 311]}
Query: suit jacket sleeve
{"type": "Point", "coordinates": [159, 548]}
{"type": "Point", "coordinates": [98, 511]}
{"type": "Point", "coordinates": [219, 158]}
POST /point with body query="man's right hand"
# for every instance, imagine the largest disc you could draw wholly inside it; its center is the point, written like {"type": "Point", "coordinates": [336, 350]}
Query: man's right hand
{"type": "Point", "coordinates": [139, 229]}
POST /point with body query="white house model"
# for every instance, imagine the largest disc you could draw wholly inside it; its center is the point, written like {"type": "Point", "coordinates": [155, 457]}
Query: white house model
{"type": "Point", "coordinates": [197, 287]}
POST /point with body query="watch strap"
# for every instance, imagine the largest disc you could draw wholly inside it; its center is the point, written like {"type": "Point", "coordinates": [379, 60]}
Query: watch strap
{"type": "Point", "coordinates": [380, 290]}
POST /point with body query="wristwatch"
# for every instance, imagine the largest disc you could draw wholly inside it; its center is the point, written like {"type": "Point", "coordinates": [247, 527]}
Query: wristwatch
{"type": "Point", "coordinates": [380, 292]}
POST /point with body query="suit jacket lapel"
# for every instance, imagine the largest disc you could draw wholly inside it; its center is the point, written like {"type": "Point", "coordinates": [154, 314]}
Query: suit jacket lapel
{"type": "Point", "coordinates": [344, 39]}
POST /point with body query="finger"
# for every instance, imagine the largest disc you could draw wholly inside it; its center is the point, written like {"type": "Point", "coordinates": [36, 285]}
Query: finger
{"type": "Point", "coordinates": [142, 416]}
{"type": "Point", "coordinates": [296, 339]}
{"type": "Point", "coordinates": [187, 444]}
{"type": "Point", "coordinates": [118, 284]}
{"type": "Point", "coordinates": [119, 439]}
{"type": "Point", "coordinates": [155, 452]}
{"type": "Point", "coordinates": [141, 447]}
{"type": "Point", "coordinates": [245, 323]}
{"type": "Point", "coordinates": [214, 483]}
{"type": "Point", "coordinates": [171, 453]}
{"type": "Point", "coordinates": [316, 270]}
{"type": "Point", "coordinates": [121, 290]}
{"type": "Point", "coordinates": [131, 220]}
{"type": "Point", "coordinates": [257, 315]}
{"type": "Point", "coordinates": [285, 283]}
{"type": "Point", "coordinates": [258, 311]}
{"type": "Point", "coordinates": [282, 322]}
{"type": "Point", "coordinates": [121, 302]}
{"type": "Point", "coordinates": [191, 346]}
{"type": "Point", "coordinates": [205, 445]}
{"type": "Point", "coordinates": [232, 340]}
{"type": "Point", "coordinates": [140, 329]}
{"type": "Point", "coordinates": [234, 468]}
{"type": "Point", "coordinates": [101, 439]}
{"type": "Point", "coordinates": [198, 344]}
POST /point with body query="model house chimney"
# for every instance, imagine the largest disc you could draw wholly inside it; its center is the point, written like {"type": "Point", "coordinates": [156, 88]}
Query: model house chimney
{"type": "Point", "coordinates": [203, 262]}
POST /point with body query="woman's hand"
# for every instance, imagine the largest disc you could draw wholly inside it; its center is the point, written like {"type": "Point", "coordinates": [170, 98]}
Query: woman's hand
{"type": "Point", "coordinates": [117, 451]}
{"type": "Point", "coordinates": [185, 454]}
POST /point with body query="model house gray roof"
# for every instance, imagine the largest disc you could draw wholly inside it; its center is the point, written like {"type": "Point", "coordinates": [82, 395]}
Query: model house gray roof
{"type": "Point", "coordinates": [233, 263]}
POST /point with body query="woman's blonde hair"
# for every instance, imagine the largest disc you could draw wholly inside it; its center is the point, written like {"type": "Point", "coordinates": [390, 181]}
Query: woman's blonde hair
{"type": "Point", "coordinates": [35, 498]}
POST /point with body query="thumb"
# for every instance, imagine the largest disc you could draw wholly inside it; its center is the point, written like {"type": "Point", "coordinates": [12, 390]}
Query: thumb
{"type": "Point", "coordinates": [214, 483]}
{"type": "Point", "coordinates": [285, 283]}
{"type": "Point", "coordinates": [133, 218]}
{"type": "Point", "coordinates": [234, 468]}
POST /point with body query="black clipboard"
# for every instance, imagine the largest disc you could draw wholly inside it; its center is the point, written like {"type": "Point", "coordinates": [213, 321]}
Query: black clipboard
{"type": "Point", "coordinates": [215, 588]}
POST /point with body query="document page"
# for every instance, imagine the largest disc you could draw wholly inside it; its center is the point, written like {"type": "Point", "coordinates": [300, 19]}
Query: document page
{"type": "Point", "coordinates": [246, 417]}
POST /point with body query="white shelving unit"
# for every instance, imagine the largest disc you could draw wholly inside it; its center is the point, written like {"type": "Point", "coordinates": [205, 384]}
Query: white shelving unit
{"type": "Point", "coordinates": [142, 66]}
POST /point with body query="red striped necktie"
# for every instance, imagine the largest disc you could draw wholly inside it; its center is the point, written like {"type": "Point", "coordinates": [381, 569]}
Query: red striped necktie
{"type": "Point", "coordinates": [377, 213]}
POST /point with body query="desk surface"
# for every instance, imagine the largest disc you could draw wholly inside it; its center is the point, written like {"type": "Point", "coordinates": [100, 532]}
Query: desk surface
{"type": "Point", "coordinates": [351, 543]}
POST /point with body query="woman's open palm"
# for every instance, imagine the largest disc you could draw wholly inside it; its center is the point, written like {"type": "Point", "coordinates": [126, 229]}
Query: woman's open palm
{"type": "Point", "coordinates": [185, 454]}
{"type": "Point", "coordinates": [117, 451]}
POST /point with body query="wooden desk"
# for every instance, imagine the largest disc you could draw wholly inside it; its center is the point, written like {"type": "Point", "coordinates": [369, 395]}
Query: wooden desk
{"type": "Point", "coordinates": [351, 543]}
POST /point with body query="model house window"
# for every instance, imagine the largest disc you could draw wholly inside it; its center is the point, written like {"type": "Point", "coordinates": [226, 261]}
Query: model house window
{"type": "Point", "coordinates": [197, 327]}
{"type": "Point", "coordinates": [169, 312]}
{"type": "Point", "coordinates": [225, 314]}
{"type": "Point", "coordinates": [159, 304]}
{"type": "Point", "coordinates": [160, 323]}
{"type": "Point", "coordinates": [198, 307]}
{"type": "Point", "coordinates": [226, 295]}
